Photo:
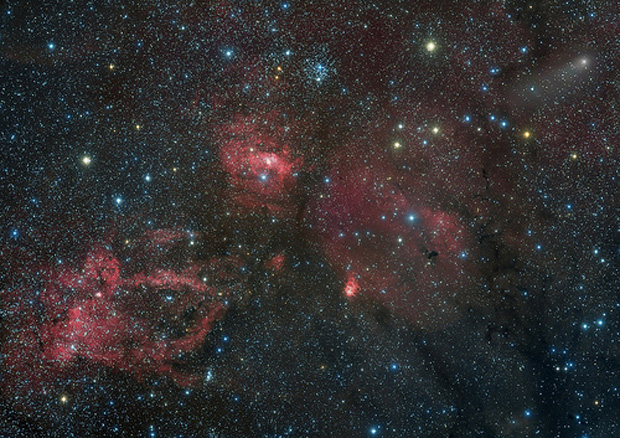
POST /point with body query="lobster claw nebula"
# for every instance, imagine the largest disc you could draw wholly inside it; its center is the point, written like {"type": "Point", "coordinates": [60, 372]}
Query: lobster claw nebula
{"type": "Point", "coordinates": [142, 324]}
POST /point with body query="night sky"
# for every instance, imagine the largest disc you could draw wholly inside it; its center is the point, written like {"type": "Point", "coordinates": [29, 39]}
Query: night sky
{"type": "Point", "coordinates": [310, 218]}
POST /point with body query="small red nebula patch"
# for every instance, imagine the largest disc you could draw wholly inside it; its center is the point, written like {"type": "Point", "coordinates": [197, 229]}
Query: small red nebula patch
{"type": "Point", "coordinates": [351, 288]}
{"type": "Point", "coordinates": [276, 263]}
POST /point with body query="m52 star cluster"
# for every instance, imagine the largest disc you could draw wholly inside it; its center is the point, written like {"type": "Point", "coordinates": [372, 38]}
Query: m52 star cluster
{"type": "Point", "coordinates": [287, 218]}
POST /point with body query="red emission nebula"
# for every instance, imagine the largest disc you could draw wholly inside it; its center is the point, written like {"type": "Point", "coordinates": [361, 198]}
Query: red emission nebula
{"type": "Point", "coordinates": [364, 221]}
{"type": "Point", "coordinates": [141, 324]}
{"type": "Point", "coordinates": [310, 218]}
{"type": "Point", "coordinates": [145, 323]}
{"type": "Point", "coordinates": [262, 169]}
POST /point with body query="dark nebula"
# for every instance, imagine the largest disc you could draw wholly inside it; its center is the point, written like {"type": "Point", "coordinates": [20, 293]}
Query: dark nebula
{"type": "Point", "coordinates": [252, 218]}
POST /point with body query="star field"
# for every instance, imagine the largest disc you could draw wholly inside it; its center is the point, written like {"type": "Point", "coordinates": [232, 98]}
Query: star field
{"type": "Point", "coordinates": [287, 218]}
